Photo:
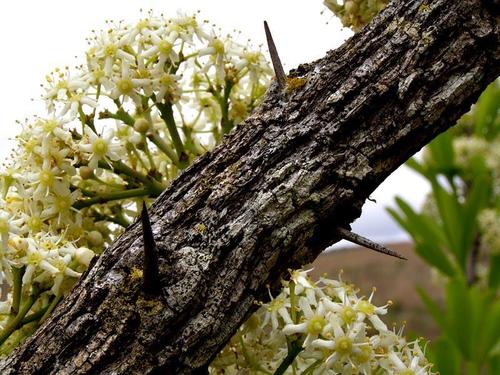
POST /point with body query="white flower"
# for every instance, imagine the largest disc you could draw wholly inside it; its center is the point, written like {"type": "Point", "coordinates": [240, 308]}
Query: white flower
{"type": "Point", "coordinates": [100, 147]}
{"type": "Point", "coordinates": [110, 47]}
{"type": "Point", "coordinates": [8, 224]}
{"type": "Point", "coordinates": [275, 309]}
{"type": "Point", "coordinates": [162, 48]}
{"type": "Point", "coordinates": [335, 337]}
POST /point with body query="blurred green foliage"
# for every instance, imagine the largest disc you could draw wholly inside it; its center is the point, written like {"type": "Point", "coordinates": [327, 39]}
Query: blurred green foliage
{"type": "Point", "coordinates": [457, 232]}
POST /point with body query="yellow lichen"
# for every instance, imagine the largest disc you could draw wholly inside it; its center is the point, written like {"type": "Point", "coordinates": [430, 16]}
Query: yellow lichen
{"type": "Point", "coordinates": [136, 273]}
{"type": "Point", "coordinates": [294, 83]}
{"type": "Point", "coordinates": [423, 8]}
{"type": "Point", "coordinates": [201, 228]}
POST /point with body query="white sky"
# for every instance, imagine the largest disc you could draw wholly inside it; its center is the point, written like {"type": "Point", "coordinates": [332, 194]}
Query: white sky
{"type": "Point", "coordinates": [37, 36]}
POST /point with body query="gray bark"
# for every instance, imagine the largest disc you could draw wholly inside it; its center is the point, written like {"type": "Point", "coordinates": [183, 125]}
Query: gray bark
{"type": "Point", "coordinates": [269, 197]}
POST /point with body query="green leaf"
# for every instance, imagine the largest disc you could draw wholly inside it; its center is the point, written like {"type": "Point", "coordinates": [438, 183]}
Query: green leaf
{"type": "Point", "coordinates": [481, 310]}
{"type": "Point", "coordinates": [443, 155]}
{"type": "Point", "coordinates": [485, 112]}
{"type": "Point", "coordinates": [459, 320]}
{"type": "Point", "coordinates": [472, 320]}
{"type": "Point", "coordinates": [494, 365]}
{"type": "Point", "coordinates": [433, 308]}
{"type": "Point", "coordinates": [451, 216]}
{"type": "Point", "coordinates": [422, 227]}
{"type": "Point", "coordinates": [399, 219]}
{"type": "Point", "coordinates": [418, 167]}
{"type": "Point", "coordinates": [476, 200]}
{"type": "Point", "coordinates": [489, 339]}
{"type": "Point", "coordinates": [445, 356]}
{"type": "Point", "coordinates": [435, 257]}
{"type": "Point", "coordinates": [429, 238]}
{"type": "Point", "coordinates": [494, 276]}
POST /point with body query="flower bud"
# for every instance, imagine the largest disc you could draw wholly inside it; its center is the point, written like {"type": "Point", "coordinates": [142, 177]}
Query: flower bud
{"type": "Point", "coordinates": [86, 172]}
{"type": "Point", "coordinates": [350, 6]}
{"type": "Point", "coordinates": [95, 238]}
{"type": "Point", "coordinates": [84, 255]}
{"type": "Point", "coordinates": [141, 125]}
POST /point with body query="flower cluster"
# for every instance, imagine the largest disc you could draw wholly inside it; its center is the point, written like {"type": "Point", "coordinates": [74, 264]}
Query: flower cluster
{"type": "Point", "coordinates": [150, 98]}
{"type": "Point", "coordinates": [355, 13]}
{"type": "Point", "coordinates": [319, 328]}
{"type": "Point", "coordinates": [489, 224]}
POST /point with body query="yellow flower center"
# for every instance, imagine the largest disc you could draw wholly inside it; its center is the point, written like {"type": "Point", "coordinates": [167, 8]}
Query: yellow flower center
{"type": "Point", "coordinates": [252, 57]}
{"type": "Point", "coordinates": [167, 80]}
{"type": "Point", "coordinates": [366, 307]}
{"type": "Point", "coordinates": [62, 203]}
{"type": "Point", "coordinates": [30, 145]}
{"type": "Point", "coordinates": [343, 345]}
{"type": "Point", "coordinates": [34, 224]}
{"type": "Point", "coordinates": [364, 355]}
{"type": "Point", "coordinates": [46, 178]}
{"type": "Point", "coordinates": [4, 226]}
{"type": "Point", "coordinates": [60, 265]}
{"type": "Point", "coordinates": [348, 314]}
{"type": "Point", "coordinates": [98, 74]}
{"type": "Point", "coordinates": [49, 126]}
{"type": "Point", "coordinates": [125, 86]}
{"type": "Point", "coordinates": [62, 85]}
{"type": "Point", "coordinates": [100, 147]}
{"type": "Point", "coordinates": [275, 304]}
{"type": "Point", "coordinates": [142, 73]}
{"type": "Point", "coordinates": [165, 47]}
{"type": "Point", "coordinates": [218, 45]}
{"type": "Point", "coordinates": [110, 50]}
{"type": "Point", "coordinates": [316, 324]}
{"type": "Point", "coordinates": [142, 24]}
{"type": "Point", "coordinates": [34, 258]}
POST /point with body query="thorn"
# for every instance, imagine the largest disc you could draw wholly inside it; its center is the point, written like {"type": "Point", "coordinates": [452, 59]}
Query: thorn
{"type": "Point", "coordinates": [151, 274]}
{"type": "Point", "coordinates": [365, 242]}
{"type": "Point", "coordinates": [278, 68]}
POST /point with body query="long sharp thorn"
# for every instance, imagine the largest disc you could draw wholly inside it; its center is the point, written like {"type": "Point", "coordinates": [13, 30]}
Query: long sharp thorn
{"type": "Point", "coordinates": [362, 241]}
{"type": "Point", "coordinates": [278, 68]}
{"type": "Point", "coordinates": [151, 274]}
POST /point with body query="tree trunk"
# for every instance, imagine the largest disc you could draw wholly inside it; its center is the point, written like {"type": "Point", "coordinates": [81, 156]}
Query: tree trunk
{"type": "Point", "coordinates": [270, 196]}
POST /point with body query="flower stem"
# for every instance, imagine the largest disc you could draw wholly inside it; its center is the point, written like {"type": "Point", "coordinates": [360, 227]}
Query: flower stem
{"type": "Point", "coordinates": [51, 307]}
{"type": "Point", "coordinates": [155, 186]}
{"type": "Point", "coordinates": [117, 219]}
{"type": "Point", "coordinates": [167, 115]}
{"type": "Point", "coordinates": [152, 164]}
{"type": "Point", "coordinates": [294, 349]}
{"type": "Point", "coordinates": [163, 146]}
{"type": "Point", "coordinates": [14, 323]}
{"type": "Point", "coordinates": [226, 124]}
{"type": "Point", "coordinates": [34, 316]}
{"type": "Point", "coordinates": [139, 157]}
{"type": "Point", "coordinates": [17, 274]}
{"type": "Point", "coordinates": [116, 195]}
{"type": "Point", "coordinates": [311, 368]}
{"type": "Point", "coordinates": [293, 306]}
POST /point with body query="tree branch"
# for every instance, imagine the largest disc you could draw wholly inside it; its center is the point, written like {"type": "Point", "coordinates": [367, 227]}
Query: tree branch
{"type": "Point", "coordinates": [271, 195]}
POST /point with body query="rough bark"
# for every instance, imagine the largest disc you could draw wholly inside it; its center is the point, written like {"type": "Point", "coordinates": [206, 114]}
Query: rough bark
{"type": "Point", "coordinates": [269, 197]}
